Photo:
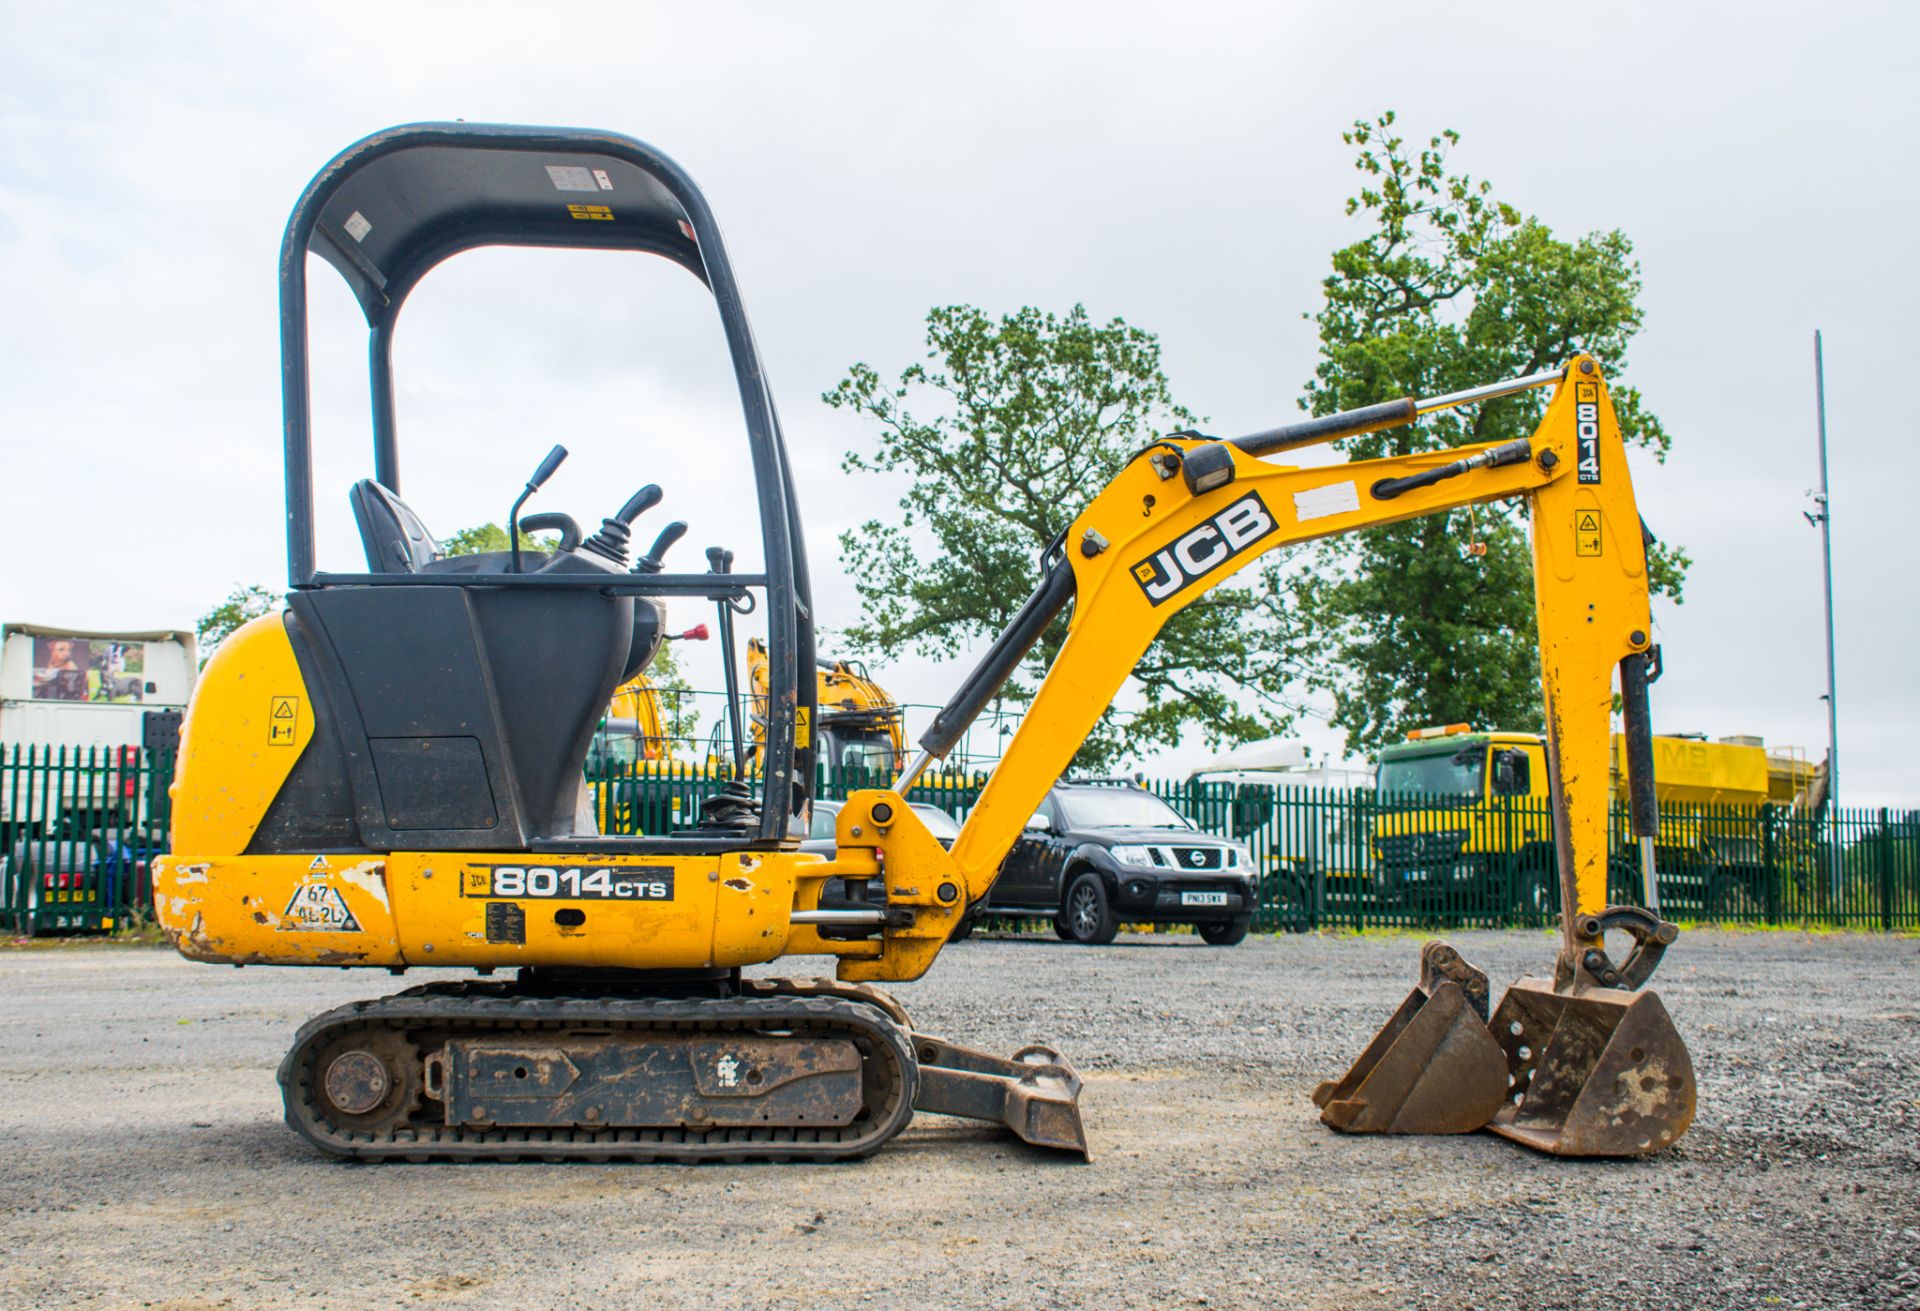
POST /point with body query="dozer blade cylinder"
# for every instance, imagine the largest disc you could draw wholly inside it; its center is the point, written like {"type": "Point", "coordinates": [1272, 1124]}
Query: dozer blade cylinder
{"type": "Point", "coordinates": [1432, 1068]}
{"type": "Point", "coordinates": [1596, 1071]}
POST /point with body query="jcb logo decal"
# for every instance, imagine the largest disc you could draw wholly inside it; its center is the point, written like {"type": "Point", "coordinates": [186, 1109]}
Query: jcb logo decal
{"type": "Point", "coordinates": [1201, 550]}
{"type": "Point", "coordinates": [1586, 418]}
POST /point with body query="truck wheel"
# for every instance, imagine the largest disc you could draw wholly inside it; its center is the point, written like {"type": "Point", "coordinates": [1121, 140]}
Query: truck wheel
{"type": "Point", "coordinates": [1224, 935]}
{"type": "Point", "coordinates": [1087, 915]}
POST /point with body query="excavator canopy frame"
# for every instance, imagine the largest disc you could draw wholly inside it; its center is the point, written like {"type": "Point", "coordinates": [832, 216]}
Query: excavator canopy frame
{"type": "Point", "coordinates": [388, 209]}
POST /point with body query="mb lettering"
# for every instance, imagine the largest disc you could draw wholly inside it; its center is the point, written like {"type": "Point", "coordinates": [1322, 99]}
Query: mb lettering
{"type": "Point", "coordinates": [1201, 550]}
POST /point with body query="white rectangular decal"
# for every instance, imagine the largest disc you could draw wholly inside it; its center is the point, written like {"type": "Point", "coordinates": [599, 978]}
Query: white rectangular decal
{"type": "Point", "coordinates": [568, 177]}
{"type": "Point", "coordinates": [1319, 502]}
{"type": "Point", "coordinates": [357, 226]}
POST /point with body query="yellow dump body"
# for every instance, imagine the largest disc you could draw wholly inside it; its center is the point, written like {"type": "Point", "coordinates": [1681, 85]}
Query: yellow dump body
{"type": "Point", "coordinates": [1688, 771]}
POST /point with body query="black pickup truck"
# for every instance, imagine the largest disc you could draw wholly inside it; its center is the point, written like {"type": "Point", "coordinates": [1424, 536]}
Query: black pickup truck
{"type": "Point", "coordinates": [1100, 852]}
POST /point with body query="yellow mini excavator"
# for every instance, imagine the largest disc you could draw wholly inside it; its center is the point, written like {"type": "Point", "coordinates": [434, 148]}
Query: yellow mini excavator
{"type": "Point", "coordinates": [388, 773]}
{"type": "Point", "coordinates": [857, 725]}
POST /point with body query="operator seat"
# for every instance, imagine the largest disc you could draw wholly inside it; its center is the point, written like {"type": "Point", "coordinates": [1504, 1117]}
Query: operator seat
{"type": "Point", "coordinates": [396, 541]}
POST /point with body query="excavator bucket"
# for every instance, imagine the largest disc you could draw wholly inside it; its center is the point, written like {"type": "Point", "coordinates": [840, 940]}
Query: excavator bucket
{"type": "Point", "coordinates": [1596, 1072]}
{"type": "Point", "coordinates": [1433, 1067]}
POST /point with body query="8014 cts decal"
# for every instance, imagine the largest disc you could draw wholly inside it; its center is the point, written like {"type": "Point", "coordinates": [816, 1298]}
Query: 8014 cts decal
{"type": "Point", "coordinates": [1586, 418]}
{"type": "Point", "coordinates": [572, 882]}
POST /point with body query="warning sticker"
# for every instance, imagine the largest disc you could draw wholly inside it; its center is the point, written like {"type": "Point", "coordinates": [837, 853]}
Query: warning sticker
{"type": "Point", "coordinates": [1319, 502]}
{"type": "Point", "coordinates": [318, 908]}
{"type": "Point", "coordinates": [1586, 532]}
{"type": "Point", "coordinates": [567, 177]}
{"type": "Point", "coordinates": [357, 226]}
{"type": "Point", "coordinates": [802, 728]}
{"type": "Point", "coordinates": [600, 176]}
{"type": "Point", "coordinates": [319, 865]}
{"type": "Point", "coordinates": [282, 719]}
{"type": "Point", "coordinates": [604, 213]}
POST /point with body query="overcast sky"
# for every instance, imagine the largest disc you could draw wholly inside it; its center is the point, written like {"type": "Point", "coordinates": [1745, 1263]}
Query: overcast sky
{"type": "Point", "coordinates": [1180, 166]}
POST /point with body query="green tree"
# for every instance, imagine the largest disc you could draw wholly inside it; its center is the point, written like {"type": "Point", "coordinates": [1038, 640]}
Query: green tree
{"type": "Point", "coordinates": [1449, 288]}
{"type": "Point", "coordinates": [1005, 433]}
{"type": "Point", "coordinates": [489, 537]}
{"type": "Point", "coordinates": [679, 715]}
{"type": "Point", "coordinates": [245, 602]}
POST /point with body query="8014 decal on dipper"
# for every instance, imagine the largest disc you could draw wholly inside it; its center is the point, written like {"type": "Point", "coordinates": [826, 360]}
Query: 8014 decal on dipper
{"type": "Point", "coordinates": [1202, 549]}
{"type": "Point", "coordinates": [572, 882]}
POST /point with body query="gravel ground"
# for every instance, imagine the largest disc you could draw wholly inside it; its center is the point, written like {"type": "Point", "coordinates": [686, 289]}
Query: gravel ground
{"type": "Point", "coordinates": [145, 1163]}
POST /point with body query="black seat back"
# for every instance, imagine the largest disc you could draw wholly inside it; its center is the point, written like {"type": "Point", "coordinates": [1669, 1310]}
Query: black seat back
{"type": "Point", "coordinates": [396, 541]}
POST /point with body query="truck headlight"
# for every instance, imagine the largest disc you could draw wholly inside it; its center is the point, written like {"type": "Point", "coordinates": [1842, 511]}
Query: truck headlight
{"type": "Point", "coordinates": [1134, 855]}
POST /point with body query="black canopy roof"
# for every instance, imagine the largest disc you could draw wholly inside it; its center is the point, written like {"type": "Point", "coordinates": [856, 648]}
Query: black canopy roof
{"type": "Point", "coordinates": [398, 203]}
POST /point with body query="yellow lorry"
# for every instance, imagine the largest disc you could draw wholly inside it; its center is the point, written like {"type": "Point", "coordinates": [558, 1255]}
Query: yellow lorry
{"type": "Point", "coordinates": [1463, 816]}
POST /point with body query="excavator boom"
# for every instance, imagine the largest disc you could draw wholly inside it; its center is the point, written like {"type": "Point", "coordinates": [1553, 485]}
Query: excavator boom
{"type": "Point", "coordinates": [1582, 1063]}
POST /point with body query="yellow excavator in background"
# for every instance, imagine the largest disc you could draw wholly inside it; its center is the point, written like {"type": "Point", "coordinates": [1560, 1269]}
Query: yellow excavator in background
{"type": "Point", "coordinates": [389, 772]}
{"type": "Point", "coordinates": [857, 724]}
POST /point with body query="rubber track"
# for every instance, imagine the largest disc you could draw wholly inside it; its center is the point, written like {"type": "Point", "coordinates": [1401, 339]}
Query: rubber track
{"type": "Point", "coordinates": [462, 1010]}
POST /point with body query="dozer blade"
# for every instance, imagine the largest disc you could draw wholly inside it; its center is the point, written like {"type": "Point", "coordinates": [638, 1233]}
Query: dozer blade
{"type": "Point", "coordinates": [1036, 1094]}
{"type": "Point", "coordinates": [1433, 1068]}
{"type": "Point", "coordinates": [1596, 1072]}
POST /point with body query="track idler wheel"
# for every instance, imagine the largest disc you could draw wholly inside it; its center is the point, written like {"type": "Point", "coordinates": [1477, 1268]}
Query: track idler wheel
{"type": "Point", "coordinates": [369, 1080]}
{"type": "Point", "coordinates": [1433, 1068]}
{"type": "Point", "coordinates": [1597, 1067]}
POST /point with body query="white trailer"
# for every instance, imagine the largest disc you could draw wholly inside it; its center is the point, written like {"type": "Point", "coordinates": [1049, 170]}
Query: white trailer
{"type": "Point", "coordinates": [98, 693]}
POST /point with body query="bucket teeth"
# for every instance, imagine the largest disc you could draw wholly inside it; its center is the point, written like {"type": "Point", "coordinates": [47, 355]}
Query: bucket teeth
{"type": "Point", "coordinates": [1432, 1068]}
{"type": "Point", "coordinates": [1596, 1071]}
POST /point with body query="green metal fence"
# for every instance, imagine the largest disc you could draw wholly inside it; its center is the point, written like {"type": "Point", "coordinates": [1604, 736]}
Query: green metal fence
{"type": "Point", "coordinates": [79, 827]}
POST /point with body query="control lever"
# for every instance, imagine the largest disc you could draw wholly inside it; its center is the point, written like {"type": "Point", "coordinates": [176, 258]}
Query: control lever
{"type": "Point", "coordinates": [534, 484]}
{"type": "Point", "coordinates": [552, 521]}
{"type": "Point", "coordinates": [720, 561]}
{"type": "Point", "coordinates": [610, 542]}
{"type": "Point", "coordinates": [650, 562]}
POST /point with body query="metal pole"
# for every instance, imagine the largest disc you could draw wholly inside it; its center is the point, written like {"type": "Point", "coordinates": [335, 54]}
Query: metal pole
{"type": "Point", "coordinates": [1826, 558]}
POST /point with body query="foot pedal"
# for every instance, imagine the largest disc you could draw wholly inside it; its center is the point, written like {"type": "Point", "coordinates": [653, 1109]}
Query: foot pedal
{"type": "Point", "coordinates": [1596, 1072]}
{"type": "Point", "coordinates": [1433, 1067]}
{"type": "Point", "coordinates": [1036, 1094]}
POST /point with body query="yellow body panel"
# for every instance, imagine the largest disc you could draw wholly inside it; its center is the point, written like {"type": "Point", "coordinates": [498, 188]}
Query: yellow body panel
{"type": "Point", "coordinates": [250, 718]}
{"type": "Point", "coordinates": [426, 908]}
{"type": "Point", "coordinates": [278, 910]}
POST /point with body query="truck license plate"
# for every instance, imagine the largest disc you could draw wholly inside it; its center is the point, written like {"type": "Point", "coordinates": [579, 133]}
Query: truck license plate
{"type": "Point", "coordinates": [1203, 899]}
